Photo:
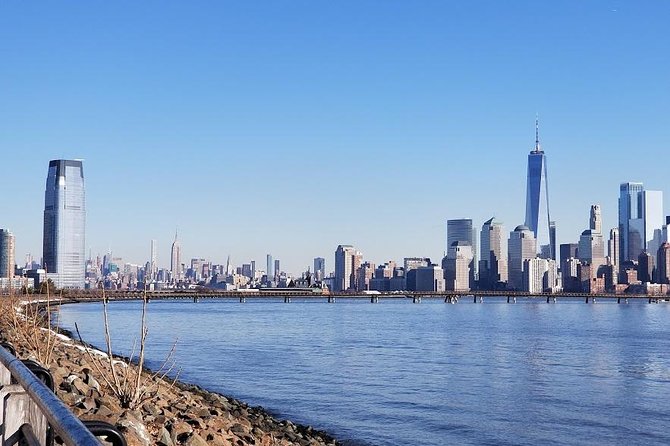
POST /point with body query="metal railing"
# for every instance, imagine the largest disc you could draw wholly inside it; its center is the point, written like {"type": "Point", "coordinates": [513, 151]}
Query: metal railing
{"type": "Point", "coordinates": [30, 409]}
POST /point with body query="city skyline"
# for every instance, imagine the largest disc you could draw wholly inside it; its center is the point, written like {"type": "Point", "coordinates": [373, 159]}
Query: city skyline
{"type": "Point", "coordinates": [325, 111]}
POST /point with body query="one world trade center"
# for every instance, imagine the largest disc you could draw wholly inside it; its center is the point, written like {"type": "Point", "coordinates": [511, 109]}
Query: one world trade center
{"type": "Point", "coordinates": [537, 200]}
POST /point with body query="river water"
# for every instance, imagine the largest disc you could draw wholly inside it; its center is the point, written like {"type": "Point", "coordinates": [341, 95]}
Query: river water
{"type": "Point", "coordinates": [397, 373]}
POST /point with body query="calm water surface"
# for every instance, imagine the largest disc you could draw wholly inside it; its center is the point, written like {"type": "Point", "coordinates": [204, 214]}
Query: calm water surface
{"type": "Point", "coordinates": [396, 373]}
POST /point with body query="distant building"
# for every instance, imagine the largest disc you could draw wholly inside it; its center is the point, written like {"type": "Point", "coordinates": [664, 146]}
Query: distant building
{"type": "Point", "coordinates": [153, 260]}
{"type": "Point", "coordinates": [458, 267]}
{"type": "Point", "coordinates": [539, 275]}
{"type": "Point", "coordinates": [493, 258]}
{"type": "Point", "coordinates": [521, 246]}
{"type": "Point", "coordinates": [663, 263]}
{"type": "Point", "coordinates": [613, 249]}
{"type": "Point", "coordinates": [592, 249]}
{"type": "Point", "coordinates": [596, 219]}
{"type": "Point", "coordinates": [428, 278]}
{"type": "Point", "coordinates": [7, 254]}
{"type": "Point", "coordinates": [461, 230]}
{"type": "Point", "coordinates": [64, 244]}
{"type": "Point", "coordinates": [175, 260]}
{"type": "Point", "coordinates": [347, 261]}
{"type": "Point", "coordinates": [537, 197]}
{"type": "Point", "coordinates": [270, 271]}
{"type": "Point", "coordinates": [645, 267]}
{"type": "Point", "coordinates": [319, 268]}
{"type": "Point", "coordinates": [411, 263]}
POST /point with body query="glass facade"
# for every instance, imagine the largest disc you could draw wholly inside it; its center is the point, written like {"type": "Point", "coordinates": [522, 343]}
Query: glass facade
{"type": "Point", "coordinates": [537, 201]}
{"type": "Point", "coordinates": [64, 243]}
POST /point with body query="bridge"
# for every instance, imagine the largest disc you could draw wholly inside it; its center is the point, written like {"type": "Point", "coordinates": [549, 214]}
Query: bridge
{"type": "Point", "coordinates": [316, 294]}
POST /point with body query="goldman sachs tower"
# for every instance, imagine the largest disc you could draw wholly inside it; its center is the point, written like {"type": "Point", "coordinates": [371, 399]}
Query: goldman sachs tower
{"type": "Point", "coordinates": [537, 200]}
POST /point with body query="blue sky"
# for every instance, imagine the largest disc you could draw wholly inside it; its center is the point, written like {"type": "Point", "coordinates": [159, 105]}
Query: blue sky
{"type": "Point", "coordinates": [292, 126]}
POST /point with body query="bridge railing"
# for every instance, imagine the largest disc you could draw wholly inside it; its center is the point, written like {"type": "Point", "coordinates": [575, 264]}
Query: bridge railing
{"type": "Point", "coordinates": [29, 409]}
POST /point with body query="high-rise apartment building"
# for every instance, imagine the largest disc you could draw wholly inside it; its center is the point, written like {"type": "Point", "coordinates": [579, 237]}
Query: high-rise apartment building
{"type": "Point", "coordinates": [277, 269]}
{"type": "Point", "coordinates": [521, 246]}
{"type": "Point", "coordinates": [7, 254]}
{"type": "Point", "coordinates": [493, 263]}
{"type": "Point", "coordinates": [64, 243]}
{"type": "Point", "coordinates": [537, 197]}
{"type": "Point", "coordinates": [613, 250]}
{"type": "Point", "coordinates": [175, 259]}
{"type": "Point", "coordinates": [269, 268]}
{"type": "Point", "coordinates": [663, 263]}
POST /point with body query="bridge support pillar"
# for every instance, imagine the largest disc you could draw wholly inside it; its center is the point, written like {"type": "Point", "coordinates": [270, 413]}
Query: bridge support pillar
{"type": "Point", "coordinates": [243, 299]}
{"type": "Point", "coordinates": [618, 300]}
{"type": "Point", "coordinates": [331, 300]}
{"type": "Point", "coordinates": [626, 300]}
{"type": "Point", "coordinates": [287, 300]}
{"type": "Point", "coordinates": [554, 299]}
{"type": "Point", "coordinates": [416, 299]}
{"type": "Point", "coordinates": [374, 299]}
{"type": "Point", "coordinates": [587, 299]}
{"type": "Point", "coordinates": [547, 299]}
{"type": "Point", "coordinates": [474, 299]}
{"type": "Point", "coordinates": [195, 300]}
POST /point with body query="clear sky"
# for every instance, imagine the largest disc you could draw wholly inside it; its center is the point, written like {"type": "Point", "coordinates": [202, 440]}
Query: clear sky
{"type": "Point", "coordinates": [289, 127]}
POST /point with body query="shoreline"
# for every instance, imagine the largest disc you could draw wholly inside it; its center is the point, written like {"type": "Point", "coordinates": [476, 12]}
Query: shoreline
{"type": "Point", "coordinates": [179, 413]}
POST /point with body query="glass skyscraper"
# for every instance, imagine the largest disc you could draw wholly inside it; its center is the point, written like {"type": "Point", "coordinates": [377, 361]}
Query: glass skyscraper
{"type": "Point", "coordinates": [537, 197]}
{"type": "Point", "coordinates": [65, 224]}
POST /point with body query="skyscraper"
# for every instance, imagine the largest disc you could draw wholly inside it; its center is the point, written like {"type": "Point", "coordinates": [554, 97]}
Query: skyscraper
{"type": "Point", "coordinates": [537, 196]}
{"type": "Point", "coordinates": [175, 259]}
{"type": "Point", "coordinates": [64, 243]}
{"type": "Point", "coordinates": [270, 270]}
{"type": "Point", "coordinates": [652, 213]}
{"type": "Point", "coordinates": [319, 268]}
{"type": "Point", "coordinates": [154, 260]}
{"type": "Point", "coordinates": [631, 226]}
{"type": "Point", "coordinates": [596, 219]}
{"type": "Point", "coordinates": [613, 250]}
{"type": "Point", "coordinates": [7, 254]}
{"type": "Point", "coordinates": [344, 268]}
{"type": "Point", "coordinates": [461, 230]}
{"type": "Point", "coordinates": [521, 246]}
{"type": "Point", "coordinates": [493, 263]}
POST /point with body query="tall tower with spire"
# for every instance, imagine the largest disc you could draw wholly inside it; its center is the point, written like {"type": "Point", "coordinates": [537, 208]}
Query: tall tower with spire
{"type": "Point", "coordinates": [175, 259]}
{"type": "Point", "coordinates": [537, 197]}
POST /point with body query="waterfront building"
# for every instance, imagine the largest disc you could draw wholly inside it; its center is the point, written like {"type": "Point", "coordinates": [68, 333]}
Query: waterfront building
{"type": "Point", "coordinates": [153, 266]}
{"type": "Point", "coordinates": [521, 246]}
{"type": "Point", "coordinates": [277, 268]}
{"type": "Point", "coordinates": [253, 269]}
{"type": "Point", "coordinates": [613, 250]}
{"type": "Point", "coordinates": [411, 263]}
{"type": "Point", "coordinates": [175, 259]}
{"type": "Point", "coordinates": [269, 271]}
{"type": "Point", "coordinates": [364, 274]}
{"type": "Point", "coordinates": [493, 263]}
{"type": "Point", "coordinates": [462, 230]}
{"type": "Point", "coordinates": [458, 267]}
{"type": "Point", "coordinates": [319, 268]}
{"type": "Point", "coordinates": [570, 275]}
{"type": "Point", "coordinates": [428, 278]}
{"type": "Point", "coordinates": [539, 275]}
{"type": "Point", "coordinates": [7, 254]}
{"type": "Point", "coordinates": [645, 267]}
{"type": "Point", "coordinates": [631, 228]}
{"type": "Point", "coordinates": [592, 249]}
{"type": "Point", "coordinates": [537, 197]}
{"type": "Point", "coordinates": [64, 252]}
{"type": "Point", "coordinates": [663, 263]}
{"type": "Point", "coordinates": [345, 268]}
{"type": "Point", "coordinates": [652, 213]}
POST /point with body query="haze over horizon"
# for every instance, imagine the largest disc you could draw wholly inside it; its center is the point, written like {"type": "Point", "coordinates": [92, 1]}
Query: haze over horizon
{"type": "Point", "coordinates": [291, 127]}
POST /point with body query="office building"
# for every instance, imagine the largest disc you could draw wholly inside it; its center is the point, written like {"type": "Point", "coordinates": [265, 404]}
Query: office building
{"type": "Point", "coordinates": [319, 268]}
{"type": "Point", "coordinates": [175, 260]}
{"type": "Point", "coordinates": [364, 275]}
{"type": "Point", "coordinates": [345, 268]}
{"type": "Point", "coordinates": [630, 221]}
{"type": "Point", "coordinates": [521, 246]}
{"type": "Point", "coordinates": [428, 278]}
{"type": "Point", "coordinates": [645, 267]}
{"type": "Point", "coordinates": [64, 253]}
{"type": "Point", "coordinates": [595, 219]}
{"type": "Point", "coordinates": [663, 263]}
{"type": "Point", "coordinates": [461, 230]}
{"type": "Point", "coordinates": [493, 258]}
{"type": "Point", "coordinates": [458, 267]}
{"type": "Point", "coordinates": [7, 254]}
{"type": "Point", "coordinates": [410, 263]}
{"type": "Point", "coordinates": [270, 268]}
{"type": "Point", "coordinates": [277, 269]}
{"type": "Point", "coordinates": [613, 250]}
{"type": "Point", "coordinates": [153, 265]}
{"type": "Point", "coordinates": [539, 275]}
{"type": "Point", "coordinates": [592, 249]}
{"type": "Point", "coordinates": [652, 213]}
{"type": "Point", "coordinates": [537, 197]}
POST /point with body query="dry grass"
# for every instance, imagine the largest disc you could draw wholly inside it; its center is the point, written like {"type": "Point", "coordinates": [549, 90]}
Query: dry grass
{"type": "Point", "coordinates": [130, 384]}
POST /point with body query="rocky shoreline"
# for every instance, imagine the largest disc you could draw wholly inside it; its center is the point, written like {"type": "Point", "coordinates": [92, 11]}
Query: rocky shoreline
{"type": "Point", "coordinates": [176, 413]}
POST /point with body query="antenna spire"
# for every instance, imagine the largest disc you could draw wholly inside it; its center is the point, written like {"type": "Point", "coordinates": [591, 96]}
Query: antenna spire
{"type": "Point", "coordinates": [537, 134]}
